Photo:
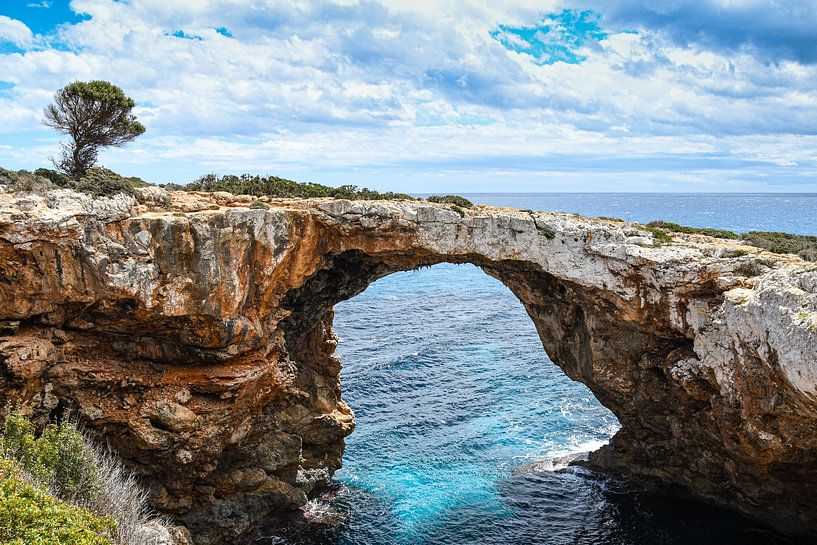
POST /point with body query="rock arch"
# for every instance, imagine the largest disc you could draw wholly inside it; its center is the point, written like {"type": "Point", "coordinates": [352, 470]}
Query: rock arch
{"type": "Point", "coordinates": [193, 333]}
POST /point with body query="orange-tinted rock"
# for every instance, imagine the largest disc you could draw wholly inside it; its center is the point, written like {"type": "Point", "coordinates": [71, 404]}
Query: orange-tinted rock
{"type": "Point", "coordinates": [193, 333]}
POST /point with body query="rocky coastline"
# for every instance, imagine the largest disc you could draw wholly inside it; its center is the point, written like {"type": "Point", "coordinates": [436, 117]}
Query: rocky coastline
{"type": "Point", "coordinates": [193, 333]}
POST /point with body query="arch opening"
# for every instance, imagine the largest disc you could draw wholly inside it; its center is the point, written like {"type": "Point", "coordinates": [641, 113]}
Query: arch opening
{"type": "Point", "coordinates": [452, 393]}
{"type": "Point", "coordinates": [461, 417]}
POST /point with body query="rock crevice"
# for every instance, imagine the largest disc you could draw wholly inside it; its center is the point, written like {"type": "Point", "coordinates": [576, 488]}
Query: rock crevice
{"type": "Point", "coordinates": [193, 333]}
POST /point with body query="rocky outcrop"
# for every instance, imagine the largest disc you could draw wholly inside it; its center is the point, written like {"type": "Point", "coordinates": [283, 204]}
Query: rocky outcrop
{"type": "Point", "coordinates": [193, 333]}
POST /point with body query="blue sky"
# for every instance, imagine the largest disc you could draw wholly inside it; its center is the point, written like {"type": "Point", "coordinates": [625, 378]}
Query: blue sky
{"type": "Point", "coordinates": [422, 96]}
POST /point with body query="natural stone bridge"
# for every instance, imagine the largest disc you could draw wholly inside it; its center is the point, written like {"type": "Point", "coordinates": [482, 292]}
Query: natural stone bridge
{"type": "Point", "coordinates": [193, 333]}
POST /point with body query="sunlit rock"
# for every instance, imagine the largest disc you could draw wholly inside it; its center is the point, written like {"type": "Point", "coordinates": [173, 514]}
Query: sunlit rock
{"type": "Point", "coordinates": [193, 333]}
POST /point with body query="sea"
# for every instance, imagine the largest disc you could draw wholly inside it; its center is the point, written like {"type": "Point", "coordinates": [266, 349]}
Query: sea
{"type": "Point", "coordinates": [462, 420]}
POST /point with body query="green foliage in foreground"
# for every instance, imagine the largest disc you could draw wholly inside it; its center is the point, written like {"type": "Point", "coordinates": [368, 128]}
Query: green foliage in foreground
{"type": "Point", "coordinates": [103, 501]}
{"type": "Point", "coordinates": [451, 199]}
{"type": "Point", "coordinates": [58, 459]}
{"type": "Point", "coordinates": [32, 516]}
{"type": "Point", "coordinates": [804, 246]}
{"type": "Point", "coordinates": [273, 186]}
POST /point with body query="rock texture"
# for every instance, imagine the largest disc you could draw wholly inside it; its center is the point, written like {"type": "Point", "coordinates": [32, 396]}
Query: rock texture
{"type": "Point", "coordinates": [193, 333]}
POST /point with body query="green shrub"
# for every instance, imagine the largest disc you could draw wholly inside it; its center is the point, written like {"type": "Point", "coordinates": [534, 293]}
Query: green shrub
{"type": "Point", "coordinates": [784, 243]}
{"type": "Point", "coordinates": [64, 462]}
{"type": "Point", "coordinates": [59, 458]}
{"type": "Point", "coordinates": [24, 181]}
{"type": "Point", "coordinates": [56, 178]}
{"type": "Point", "coordinates": [30, 515]}
{"type": "Point", "coordinates": [260, 204]}
{"type": "Point", "coordinates": [102, 182]}
{"type": "Point", "coordinates": [451, 199]}
{"type": "Point", "coordinates": [708, 231]}
{"type": "Point", "coordinates": [7, 177]}
{"type": "Point", "coordinates": [273, 186]}
{"type": "Point", "coordinates": [98, 181]}
{"type": "Point", "coordinates": [458, 209]}
{"type": "Point", "coordinates": [659, 235]}
{"type": "Point", "coordinates": [608, 218]}
{"type": "Point", "coordinates": [804, 246]}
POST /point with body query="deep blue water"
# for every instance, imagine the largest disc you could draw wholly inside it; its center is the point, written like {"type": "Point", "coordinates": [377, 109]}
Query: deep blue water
{"type": "Point", "coordinates": [453, 393]}
{"type": "Point", "coordinates": [739, 212]}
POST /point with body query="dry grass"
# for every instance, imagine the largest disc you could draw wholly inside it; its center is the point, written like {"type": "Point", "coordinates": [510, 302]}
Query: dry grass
{"type": "Point", "coordinates": [66, 462]}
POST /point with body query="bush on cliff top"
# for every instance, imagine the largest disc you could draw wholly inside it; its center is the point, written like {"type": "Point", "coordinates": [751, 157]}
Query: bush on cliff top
{"type": "Point", "coordinates": [273, 186]}
{"type": "Point", "coordinates": [804, 246]}
{"type": "Point", "coordinates": [69, 474]}
{"type": "Point", "coordinates": [97, 182]}
{"type": "Point", "coordinates": [451, 199]}
{"type": "Point", "coordinates": [101, 182]}
{"type": "Point", "coordinates": [708, 231]}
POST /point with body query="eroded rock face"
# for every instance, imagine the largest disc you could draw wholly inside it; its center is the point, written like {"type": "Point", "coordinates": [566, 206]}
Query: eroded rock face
{"type": "Point", "coordinates": [193, 333]}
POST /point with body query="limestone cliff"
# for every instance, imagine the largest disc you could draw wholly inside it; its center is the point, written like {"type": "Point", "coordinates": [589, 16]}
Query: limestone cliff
{"type": "Point", "coordinates": [193, 333]}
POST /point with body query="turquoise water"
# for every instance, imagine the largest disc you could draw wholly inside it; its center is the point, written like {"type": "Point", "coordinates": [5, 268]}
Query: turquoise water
{"type": "Point", "coordinates": [453, 393]}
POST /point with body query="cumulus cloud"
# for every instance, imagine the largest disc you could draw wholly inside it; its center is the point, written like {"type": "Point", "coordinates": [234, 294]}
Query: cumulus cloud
{"type": "Point", "coordinates": [15, 32]}
{"type": "Point", "coordinates": [238, 84]}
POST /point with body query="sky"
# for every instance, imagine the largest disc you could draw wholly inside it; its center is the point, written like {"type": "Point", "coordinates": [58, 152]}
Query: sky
{"type": "Point", "coordinates": [430, 96]}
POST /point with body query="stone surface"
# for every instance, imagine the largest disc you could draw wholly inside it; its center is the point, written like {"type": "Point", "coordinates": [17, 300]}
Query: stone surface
{"type": "Point", "coordinates": [193, 333]}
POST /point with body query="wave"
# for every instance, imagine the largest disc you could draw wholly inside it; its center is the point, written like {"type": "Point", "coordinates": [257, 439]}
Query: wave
{"type": "Point", "coordinates": [561, 459]}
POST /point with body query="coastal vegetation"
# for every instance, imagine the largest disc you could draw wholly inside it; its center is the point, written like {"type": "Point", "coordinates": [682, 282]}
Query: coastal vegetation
{"type": "Point", "coordinates": [100, 181]}
{"type": "Point", "coordinates": [708, 231]}
{"type": "Point", "coordinates": [804, 246]}
{"type": "Point", "coordinates": [273, 186]}
{"type": "Point", "coordinates": [95, 114]}
{"type": "Point", "coordinates": [97, 181]}
{"type": "Point", "coordinates": [57, 487]}
{"type": "Point", "coordinates": [30, 514]}
{"type": "Point", "coordinates": [456, 200]}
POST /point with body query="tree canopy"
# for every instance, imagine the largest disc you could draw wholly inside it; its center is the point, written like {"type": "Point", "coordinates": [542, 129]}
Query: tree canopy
{"type": "Point", "coordinates": [94, 114]}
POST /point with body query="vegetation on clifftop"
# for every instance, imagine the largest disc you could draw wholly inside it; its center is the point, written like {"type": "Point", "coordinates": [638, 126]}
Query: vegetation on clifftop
{"type": "Point", "coordinates": [708, 231]}
{"type": "Point", "coordinates": [100, 181]}
{"type": "Point", "coordinates": [94, 114]}
{"type": "Point", "coordinates": [273, 186]}
{"type": "Point", "coordinates": [97, 181]}
{"type": "Point", "coordinates": [456, 200]}
{"type": "Point", "coordinates": [804, 246]}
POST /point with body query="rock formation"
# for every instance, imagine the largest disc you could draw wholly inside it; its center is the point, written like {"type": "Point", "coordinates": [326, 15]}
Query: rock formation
{"type": "Point", "coordinates": [193, 333]}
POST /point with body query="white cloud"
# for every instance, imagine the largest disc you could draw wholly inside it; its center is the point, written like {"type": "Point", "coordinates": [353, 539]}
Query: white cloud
{"type": "Point", "coordinates": [348, 85]}
{"type": "Point", "coordinates": [15, 32]}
